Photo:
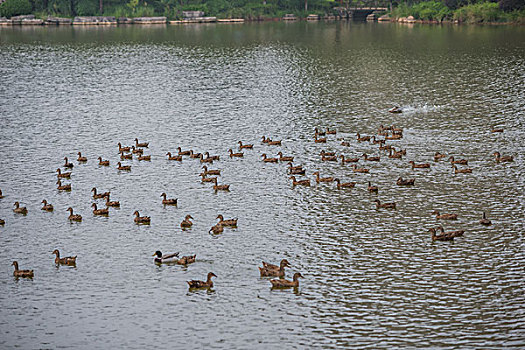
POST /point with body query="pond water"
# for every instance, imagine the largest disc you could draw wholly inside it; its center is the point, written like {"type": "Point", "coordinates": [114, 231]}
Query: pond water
{"type": "Point", "coordinates": [372, 278]}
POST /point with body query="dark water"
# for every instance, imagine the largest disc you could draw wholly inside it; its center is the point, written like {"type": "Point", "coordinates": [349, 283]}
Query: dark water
{"type": "Point", "coordinates": [372, 278]}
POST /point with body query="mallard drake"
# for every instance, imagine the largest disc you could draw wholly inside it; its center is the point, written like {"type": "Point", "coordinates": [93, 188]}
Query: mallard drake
{"type": "Point", "coordinates": [73, 217]}
{"type": "Point", "coordinates": [211, 171]}
{"type": "Point", "coordinates": [123, 167]}
{"type": "Point", "coordinates": [329, 158]}
{"type": "Point", "coordinates": [143, 144]}
{"type": "Point", "coordinates": [145, 158]}
{"type": "Point", "coordinates": [440, 237]}
{"type": "Point", "coordinates": [499, 158]}
{"type": "Point", "coordinates": [81, 159]}
{"type": "Point", "coordinates": [194, 155]}
{"type": "Point", "coordinates": [438, 156]}
{"type": "Point", "coordinates": [344, 184]}
{"type": "Point", "coordinates": [100, 212]}
{"type": "Point", "coordinates": [395, 109]}
{"type": "Point", "coordinates": [497, 130]}
{"type": "Point", "coordinates": [67, 164]}
{"type": "Point", "coordinates": [112, 203]}
{"type": "Point", "coordinates": [99, 195]}
{"type": "Point", "coordinates": [61, 187]}
{"type": "Point", "coordinates": [123, 149]}
{"type": "Point", "coordinates": [459, 161]}
{"type": "Point", "coordinates": [216, 229]}
{"type": "Point", "coordinates": [216, 157]}
{"type": "Point", "coordinates": [360, 170]}
{"type": "Point", "coordinates": [103, 162]}
{"type": "Point", "coordinates": [300, 182]}
{"type": "Point", "coordinates": [394, 155]}
{"type": "Point", "coordinates": [461, 171]}
{"type": "Point", "coordinates": [62, 175]}
{"type": "Point", "coordinates": [371, 159]}
{"type": "Point", "coordinates": [194, 284]}
{"type": "Point", "coordinates": [384, 205]}
{"type": "Point", "coordinates": [22, 273]}
{"type": "Point", "coordinates": [19, 210]}
{"type": "Point", "coordinates": [285, 158]}
{"type": "Point", "coordinates": [319, 140]}
{"type": "Point", "coordinates": [171, 201]}
{"type": "Point", "coordinates": [485, 221]}
{"type": "Point", "coordinates": [137, 150]}
{"type": "Point", "coordinates": [364, 138]}
{"type": "Point", "coordinates": [165, 259]}
{"type": "Point", "coordinates": [331, 132]}
{"type": "Point", "coordinates": [272, 272]}
{"type": "Point", "coordinates": [458, 233]}
{"type": "Point", "coordinates": [402, 182]}
{"type": "Point", "coordinates": [348, 160]}
{"type": "Point", "coordinates": [241, 146]}
{"type": "Point", "coordinates": [268, 160]}
{"type": "Point", "coordinates": [185, 260]}
{"type": "Point", "coordinates": [141, 219]}
{"type": "Point", "coordinates": [183, 153]}
{"type": "Point", "coordinates": [445, 216]}
{"type": "Point", "coordinates": [186, 223]}
{"type": "Point", "coordinates": [177, 158]}
{"type": "Point", "coordinates": [206, 179]}
{"type": "Point", "coordinates": [283, 283]}
{"type": "Point", "coordinates": [68, 260]}
{"type": "Point", "coordinates": [238, 154]}
{"type": "Point", "coordinates": [319, 179]}
{"type": "Point", "coordinates": [220, 187]}
{"type": "Point", "coordinates": [124, 156]}
{"type": "Point", "coordinates": [47, 206]}
{"type": "Point", "coordinates": [419, 166]}
{"type": "Point", "coordinates": [228, 222]}
{"type": "Point", "coordinates": [372, 188]}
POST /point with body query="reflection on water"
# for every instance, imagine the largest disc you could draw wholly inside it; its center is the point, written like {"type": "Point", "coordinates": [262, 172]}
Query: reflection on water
{"type": "Point", "coordinates": [372, 278]}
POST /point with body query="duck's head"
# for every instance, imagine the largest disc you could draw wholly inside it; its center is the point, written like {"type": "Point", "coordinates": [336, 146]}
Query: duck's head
{"type": "Point", "coordinates": [56, 252]}
{"type": "Point", "coordinates": [211, 274]}
{"type": "Point", "coordinates": [158, 254]}
{"type": "Point", "coordinates": [285, 263]}
{"type": "Point", "coordinates": [297, 275]}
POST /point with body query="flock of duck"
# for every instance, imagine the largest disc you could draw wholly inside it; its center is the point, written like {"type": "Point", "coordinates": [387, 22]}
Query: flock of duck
{"type": "Point", "coordinates": [384, 134]}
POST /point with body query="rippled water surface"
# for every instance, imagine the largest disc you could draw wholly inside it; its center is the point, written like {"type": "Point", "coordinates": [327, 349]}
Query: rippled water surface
{"type": "Point", "coordinates": [372, 278]}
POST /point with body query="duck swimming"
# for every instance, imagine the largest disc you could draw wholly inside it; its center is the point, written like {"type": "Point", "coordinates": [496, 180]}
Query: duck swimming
{"type": "Point", "coordinates": [22, 273]}
{"type": "Point", "coordinates": [68, 260]}
{"type": "Point", "coordinates": [283, 283]}
{"type": "Point", "coordinates": [202, 284]}
{"type": "Point", "coordinates": [165, 259]}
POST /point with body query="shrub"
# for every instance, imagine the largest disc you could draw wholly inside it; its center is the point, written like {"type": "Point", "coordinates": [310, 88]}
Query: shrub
{"type": "Point", "coordinates": [12, 8]}
{"type": "Point", "coordinates": [480, 12]}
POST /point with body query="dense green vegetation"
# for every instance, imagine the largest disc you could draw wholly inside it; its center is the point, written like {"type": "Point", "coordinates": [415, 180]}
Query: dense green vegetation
{"type": "Point", "coordinates": [470, 11]}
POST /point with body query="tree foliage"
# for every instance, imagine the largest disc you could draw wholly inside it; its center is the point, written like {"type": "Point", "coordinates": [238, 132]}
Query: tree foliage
{"type": "Point", "coordinates": [11, 8]}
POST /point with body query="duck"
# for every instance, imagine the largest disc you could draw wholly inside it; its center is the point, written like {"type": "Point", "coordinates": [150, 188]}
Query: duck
{"type": "Point", "coordinates": [238, 154]}
{"type": "Point", "coordinates": [194, 284]}
{"type": "Point", "coordinates": [445, 216]}
{"type": "Point", "coordinates": [300, 182]}
{"type": "Point", "coordinates": [402, 182]}
{"type": "Point", "coordinates": [2, 222]}
{"type": "Point", "coordinates": [206, 160]}
{"type": "Point", "coordinates": [123, 149]}
{"type": "Point", "coordinates": [268, 160]}
{"type": "Point", "coordinates": [272, 266]}
{"type": "Point", "coordinates": [485, 221]}
{"type": "Point", "coordinates": [394, 155]}
{"type": "Point", "coordinates": [228, 222]}
{"type": "Point", "coordinates": [143, 144]}
{"type": "Point", "coordinates": [331, 132]}
{"type": "Point", "coordinates": [440, 237]}
{"type": "Point", "coordinates": [371, 159]}
{"type": "Point", "coordinates": [372, 188]}
{"type": "Point", "coordinates": [375, 142]}
{"type": "Point", "coordinates": [438, 156]}
{"type": "Point", "coordinates": [248, 146]}
{"type": "Point", "coordinates": [112, 203]}
{"type": "Point", "coordinates": [216, 229]}
{"type": "Point", "coordinates": [186, 223]}
{"type": "Point", "coordinates": [188, 259]}
{"type": "Point", "coordinates": [319, 133]}
{"type": "Point", "coordinates": [319, 140]}
{"type": "Point", "coordinates": [285, 158]}
{"type": "Point", "coordinates": [81, 159]}
{"type": "Point", "coordinates": [271, 272]}
{"type": "Point", "coordinates": [345, 143]}
{"type": "Point", "coordinates": [137, 150]}
{"type": "Point", "coordinates": [67, 164]}
{"type": "Point", "coordinates": [360, 170]}
{"type": "Point", "coordinates": [220, 187]}
{"type": "Point", "coordinates": [19, 210]}
{"type": "Point", "coordinates": [394, 137]}
{"type": "Point", "coordinates": [73, 217]}
{"type": "Point", "coordinates": [123, 167]}
{"type": "Point", "coordinates": [385, 205]}
{"type": "Point", "coordinates": [47, 206]}
{"type": "Point", "coordinates": [384, 147]}
{"type": "Point", "coordinates": [344, 184]}
{"type": "Point", "coordinates": [61, 187]}
{"type": "Point", "coordinates": [171, 201]}
{"type": "Point", "coordinates": [206, 179]}
{"type": "Point", "coordinates": [62, 175]}
{"type": "Point", "coordinates": [419, 166]}
{"type": "Point", "coordinates": [461, 171]}
{"type": "Point", "coordinates": [194, 155]}
{"type": "Point", "coordinates": [328, 154]}
{"type": "Point", "coordinates": [395, 109]}
{"type": "Point", "coordinates": [459, 161]}
{"type": "Point", "coordinates": [499, 158]}
{"type": "Point", "coordinates": [22, 273]}
{"type": "Point", "coordinates": [99, 195]}
{"type": "Point", "coordinates": [274, 143]}
{"type": "Point", "coordinates": [103, 162]}
{"type": "Point", "coordinates": [141, 219]}
{"type": "Point", "coordinates": [165, 259]}
{"type": "Point", "coordinates": [144, 158]}
{"type": "Point", "coordinates": [348, 160]}
{"type": "Point", "coordinates": [364, 138]}
{"type": "Point", "coordinates": [211, 171]}
{"type": "Point", "coordinates": [183, 153]}
{"type": "Point", "coordinates": [216, 157]}
{"type": "Point", "coordinates": [458, 233]}
{"type": "Point", "coordinates": [319, 179]}
{"type": "Point", "coordinates": [68, 260]}
{"type": "Point", "coordinates": [265, 139]}
{"type": "Point", "coordinates": [284, 283]}
{"type": "Point", "coordinates": [329, 158]}
{"type": "Point", "coordinates": [296, 170]}
{"type": "Point", "coordinates": [124, 156]}
{"type": "Point", "coordinates": [100, 212]}
{"type": "Point", "coordinates": [401, 151]}
{"type": "Point", "coordinates": [177, 158]}
{"type": "Point", "coordinates": [1, 196]}
{"type": "Point", "coordinates": [497, 130]}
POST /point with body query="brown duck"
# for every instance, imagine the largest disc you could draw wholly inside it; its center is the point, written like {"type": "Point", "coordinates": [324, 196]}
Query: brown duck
{"type": "Point", "coordinates": [283, 283]}
{"type": "Point", "coordinates": [121, 167]}
{"type": "Point", "coordinates": [99, 195]}
{"type": "Point", "coordinates": [62, 175]}
{"type": "Point", "coordinates": [81, 159]}
{"type": "Point", "coordinates": [241, 146]}
{"type": "Point", "coordinates": [271, 272]}
{"type": "Point", "coordinates": [19, 210]}
{"type": "Point", "coordinates": [68, 260]}
{"type": "Point", "coordinates": [22, 273]}
{"type": "Point", "coordinates": [499, 158]}
{"type": "Point", "coordinates": [47, 206]}
{"type": "Point", "coordinates": [405, 182]}
{"type": "Point", "coordinates": [177, 158]}
{"type": "Point", "coordinates": [419, 166]}
{"type": "Point", "coordinates": [166, 201]}
{"type": "Point", "coordinates": [99, 212]}
{"type": "Point", "coordinates": [372, 188]}
{"type": "Point", "coordinates": [344, 184]}
{"type": "Point", "coordinates": [112, 203]}
{"type": "Point", "coordinates": [194, 284]}
{"type": "Point", "coordinates": [103, 162]}
{"type": "Point", "coordinates": [220, 187]}
{"type": "Point", "coordinates": [185, 260]}
{"type": "Point", "coordinates": [186, 223]}
{"type": "Point", "coordinates": [268, 160]}
{"type": "Point", "coordinates": [211, 171]}
{"type": "Point", "coordinates": [320, 179]}
{"type": "Point", "coordinates": [445, 216]}
{"type": "Point", "coordinates": [295, 182]}
{"type": "Point", "coordinates": [459, 161]}
{"type": "Point", "coordinates": [385, 205]}
{"type": "Point", "coordinates": [61, 187]}
{"type": "Point", "coordinates": [73, 217]}
{"type": "Point", "coordinates": [228, 222]}
{"type": "Point", "coordinates": [143, 144]}
{"type": "Point", "coordinates": [67, 164]}
{"type": "Point", "coordinates": [141, 219]}
{"type": "Point", "coordinates": [348, 160]}
{"type": "Point", "coordinates": [285, 158]}
{"type": "Point", "coordinates": [485, 221]}
{"type": "Point", "coordinates": [237, 155]}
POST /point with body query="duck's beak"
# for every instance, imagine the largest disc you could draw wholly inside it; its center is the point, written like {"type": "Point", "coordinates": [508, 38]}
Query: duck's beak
{"type": "Point", "coordinates": [154, 254]}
